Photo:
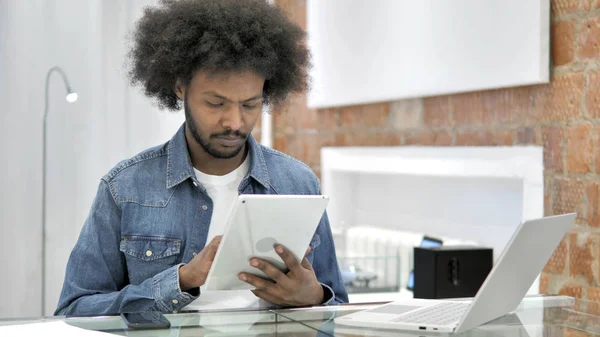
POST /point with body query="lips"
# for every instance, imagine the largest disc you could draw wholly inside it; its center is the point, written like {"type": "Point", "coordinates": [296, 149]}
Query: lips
{"type": "Point", "coordinates": [230, 141]}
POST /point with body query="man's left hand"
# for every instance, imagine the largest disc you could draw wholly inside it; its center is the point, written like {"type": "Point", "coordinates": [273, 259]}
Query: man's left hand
{"type": "Point", "coordinates": [298, 287]}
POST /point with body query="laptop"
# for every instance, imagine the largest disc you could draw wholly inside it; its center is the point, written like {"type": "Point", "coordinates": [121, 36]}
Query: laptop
{"type": "Point", "coordinates": [520, 263]}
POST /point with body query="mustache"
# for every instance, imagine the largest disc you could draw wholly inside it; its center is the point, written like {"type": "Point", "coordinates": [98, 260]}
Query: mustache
{"type": "Point", "coordinates": [229, 133]}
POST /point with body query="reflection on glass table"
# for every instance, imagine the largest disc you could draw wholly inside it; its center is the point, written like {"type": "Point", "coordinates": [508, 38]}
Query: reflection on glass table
{"type": "Point", "coordinates": [546, 316]}
{"type": "Point", "coordinates": [536, 316]}
{"type": "Point", "coordinates": [367, 274]}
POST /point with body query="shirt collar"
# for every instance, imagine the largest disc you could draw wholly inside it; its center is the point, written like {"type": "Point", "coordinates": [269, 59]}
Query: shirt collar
{"type": "Point", "coordinates": [179, 164]}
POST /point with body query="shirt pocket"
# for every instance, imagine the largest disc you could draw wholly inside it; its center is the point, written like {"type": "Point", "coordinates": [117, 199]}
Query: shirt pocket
{"type": "Point", "coordinates": [147, 256]}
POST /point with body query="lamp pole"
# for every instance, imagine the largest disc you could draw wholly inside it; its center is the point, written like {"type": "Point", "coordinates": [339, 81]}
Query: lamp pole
{"type": "Point", "coordinates": [71, 97]}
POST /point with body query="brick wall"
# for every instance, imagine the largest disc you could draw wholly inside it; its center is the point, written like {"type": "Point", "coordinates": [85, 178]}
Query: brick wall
{"type": "Point", "coordinates": [563, 116]}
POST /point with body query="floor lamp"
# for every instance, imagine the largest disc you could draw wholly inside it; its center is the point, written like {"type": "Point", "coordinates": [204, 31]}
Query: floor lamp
{"type": "Point", "coordinates": [71, 97]}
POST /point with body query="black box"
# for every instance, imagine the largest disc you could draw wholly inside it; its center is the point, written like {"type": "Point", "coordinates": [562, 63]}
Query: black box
{"type": "Point", "coordinates": [450, 271]}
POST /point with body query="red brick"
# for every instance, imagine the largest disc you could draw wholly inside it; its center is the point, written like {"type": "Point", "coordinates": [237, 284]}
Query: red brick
{"type": "Point", "coordinates": [484, 138]}
{"type": "Point", "coordinates": [350, 115]}
{"type": "Point", "coordinates": [560, 100]}
{"type": "Point", "coordinates": [468, 108]}
{"type": "Point", "coordinates": [305, 118]}
{"type": "Point", "coordinates": [580, 155]}
{"type": "Point", "coordinates": [376, 115]}
{"type": "Point", "coordinates": [557, 262]}
{"type": "Point", "coordinates": [367, 138]}
{"type": "Point", "coordinates": [351, 138]}
{"type": "Point", "coordinates": [572, 290]}
{"type": "Point", "coordinates": [587, 5]}
{"type": "Point", "coordinates": [593, 95]}
{"type": "Point", "coordinates": [592, 294]}
{"type": "Point", "coordinates": [385, 139]}
{"type": "Point", "coordinates": [564, 6]}
{"type": "Point", "coordinates": [569, 332]}
{"type": "Point", "coordinates": [327, 119]}
{"type": "Point", "coordinates": [552, 139]}
{"type": "Point", "coordinates": [526, 135]}
{"type": "Point", "coordinates": [406, 114]}
{"type": "Point", "coordinates": [597, 149]}
{"type": "Point", "coordinates": [309, 146]}
{"type": "Point", "coordinates": [581, 257]}
{"type": "Point", "coordinates": [506, 105]}
{"type": "Point", "coordinates": [568, 197]}
{"type": "Point", "coordinates": [280, 143]}
{"type": "Point", "coordinates": [589, 39]}
{"type": "Point", "coordinates": [592, 208]}
{"type": "Point", "coordinates": [563, 42]}
{"type": "Point", "coordinates": [292, 145]}
{"type": "Point", "coordinates": [284, 121]}
{"type": "Point", "coordinates": [470, 138]}
{"type": "Point", "coordinates": [436, 111]}
{"type": "Point", "coordinates": [437, 138]}
{"type": "Point", "coordinates": [504, 138]}
{"type": "Point", "coordinates": [573, 6]}
{"type": "Point", "coordinates": [548, 188]}
{"type": "Point", "coordinates": [492, 106]}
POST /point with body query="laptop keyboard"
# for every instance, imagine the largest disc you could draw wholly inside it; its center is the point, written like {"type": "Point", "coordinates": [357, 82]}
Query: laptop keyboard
{"type": "Point", "coordinates": [440, 314]}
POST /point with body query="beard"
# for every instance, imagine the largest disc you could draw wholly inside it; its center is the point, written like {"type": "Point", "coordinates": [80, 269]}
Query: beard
{"type": "Point", "coordinates": [205, 142]}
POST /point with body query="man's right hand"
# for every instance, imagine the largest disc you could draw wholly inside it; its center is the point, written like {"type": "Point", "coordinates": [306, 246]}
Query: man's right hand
{"type": "Point", "coordinates": [193, 274]}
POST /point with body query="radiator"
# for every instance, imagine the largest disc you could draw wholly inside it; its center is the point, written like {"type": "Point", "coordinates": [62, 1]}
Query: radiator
{"type": "Point", "coordinates": [384, 253]}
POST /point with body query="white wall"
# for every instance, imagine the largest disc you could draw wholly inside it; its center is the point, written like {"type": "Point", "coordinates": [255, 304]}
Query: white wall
{"type": "Point", "coordinates": [484, 210]}
{"type": "Point", "coordinates": [109, 122]}
{"type": "Point", "coordinates": [398, 49]}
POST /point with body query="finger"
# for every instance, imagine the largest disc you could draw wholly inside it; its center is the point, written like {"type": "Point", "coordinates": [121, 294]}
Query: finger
{"type": "Point", "coordinates": [212, 245]}
{"type": "Point", "coordinates": [257, 282]}
{"type": "Point", "coordinates": [269, 270]}
{"type": "Point", "coordinates": [216, 241]}
{"type": "Point", "coordinates": [306, 264]}
{"type": "Point", "coordinates": [290, 260]}
{"type": "Point", "coordinates": [212, 248]}
{"type": "Point", "coordinates": [307, 251]}
{"type": "Point", "coordinates": [268, 297]}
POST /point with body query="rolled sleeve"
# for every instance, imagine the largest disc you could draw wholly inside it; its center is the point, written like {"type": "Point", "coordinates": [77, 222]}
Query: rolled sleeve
{"type": "Point", "coordinates": [167, 292]}
{"type": "Point", "coordinates": [328, 295]}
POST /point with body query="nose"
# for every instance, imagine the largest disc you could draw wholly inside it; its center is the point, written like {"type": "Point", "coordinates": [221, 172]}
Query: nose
{"type": "Point", "coordinates": [232, 118]}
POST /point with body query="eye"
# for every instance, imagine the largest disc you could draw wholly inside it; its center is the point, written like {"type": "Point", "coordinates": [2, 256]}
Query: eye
{"type": "Point", "coordinates": [214, 105]}
{"type": "Point", "coordinates": [250, 106]}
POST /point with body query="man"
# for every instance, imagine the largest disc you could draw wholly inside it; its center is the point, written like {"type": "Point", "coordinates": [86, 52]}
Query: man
{"type": "Point", "coordinates": [156, 222]}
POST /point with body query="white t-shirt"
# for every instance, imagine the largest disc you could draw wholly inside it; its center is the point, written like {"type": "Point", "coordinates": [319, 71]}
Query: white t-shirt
{"type": "Point", "coordinates": [223, 190]}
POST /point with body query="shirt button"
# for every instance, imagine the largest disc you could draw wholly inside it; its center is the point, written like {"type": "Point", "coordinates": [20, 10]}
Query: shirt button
{"type": "Point", "coordinates": [204, 207]}
{"type": "Point", "coordinates": [148, 253]}
{"type": "Point", "coordinates": [175, 301]}
{"type": "Point", "coordinates": [195, 184]}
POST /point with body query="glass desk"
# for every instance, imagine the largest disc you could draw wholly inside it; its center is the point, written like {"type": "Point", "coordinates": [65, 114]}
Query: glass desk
{"type": "Point", "coordinates": [546, 316]}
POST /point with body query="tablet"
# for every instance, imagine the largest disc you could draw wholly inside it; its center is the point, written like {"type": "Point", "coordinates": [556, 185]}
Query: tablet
{"type": "Point", "coordinates": [256, 223]}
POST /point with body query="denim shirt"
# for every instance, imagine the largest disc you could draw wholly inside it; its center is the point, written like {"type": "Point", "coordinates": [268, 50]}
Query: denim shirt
{"type": "Point", "coordinates": [150, 215]}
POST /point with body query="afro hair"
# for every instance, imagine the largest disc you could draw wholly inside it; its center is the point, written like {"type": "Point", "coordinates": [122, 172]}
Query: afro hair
{"type": "Point", "coordinates": [176, 38]}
